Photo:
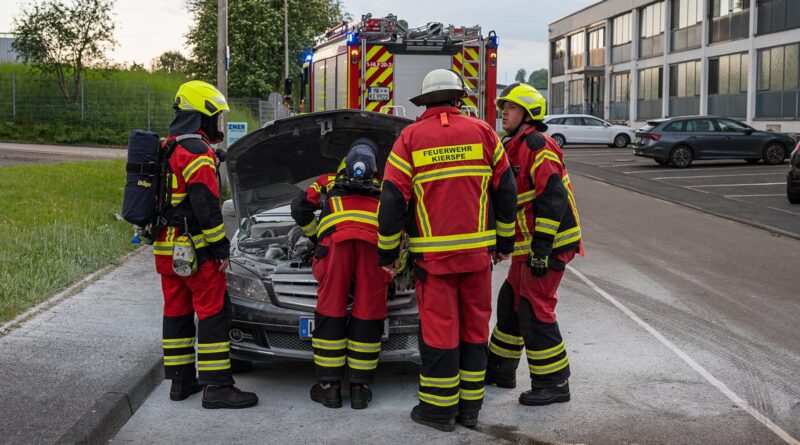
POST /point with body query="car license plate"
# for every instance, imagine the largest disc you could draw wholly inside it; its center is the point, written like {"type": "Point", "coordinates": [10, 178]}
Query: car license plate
{"type": "Point", "coordinates": [378, 94]}
{"type": "Point", "coordinates": [639, 141]}
{"type": "Point", "coordinates": [306, 327]}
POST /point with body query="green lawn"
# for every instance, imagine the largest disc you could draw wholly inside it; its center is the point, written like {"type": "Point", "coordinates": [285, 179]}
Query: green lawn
{"type": "Point", "coordinates": [57, 224]}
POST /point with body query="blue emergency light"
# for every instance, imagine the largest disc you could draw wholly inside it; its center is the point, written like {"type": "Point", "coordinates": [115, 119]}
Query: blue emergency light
{"type": "Point", "coordinates": [494, 41]}
{"type": "Point", "coordinates": [352, 38]}
{"type": "Point", "coordinates": [309, 56]}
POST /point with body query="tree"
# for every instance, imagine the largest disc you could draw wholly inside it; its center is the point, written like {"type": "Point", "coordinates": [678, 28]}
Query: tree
{"type": "Point", "coordinates": [171, 62]}
{"type": "Point", "coordinates": [255, 38]}
{"type": "Point", "coordinates": [63, 39]}
{"type": "Point", "coordinates": [521, 75]}
{"type": "Point", "coordinates": [538, 79]}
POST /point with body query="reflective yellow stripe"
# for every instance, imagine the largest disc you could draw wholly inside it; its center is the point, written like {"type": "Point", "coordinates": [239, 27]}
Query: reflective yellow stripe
{"type": "Point", "coordinates": [438, 400]}
{"type": "Point", "coordinates": [329, 362]}
{"type": "Point", "coordinates": [471, 394]}
{"type": "Point", "coordinates": [358, 346]}
{"type": "Point", "coordinates": [521, 248]}
{"type": "Point", "coordinates": [210, 348]}
{"type": "Point", "coordinates": [213, 365]}
{"type": "Point", "coordinates": [330, 345]}
{"type": "Point", "coordinates": [452, 242]}
{"type": "Point", "coordinates": [453, 172]}
{"type": "Point", "coordinates": [567, 237]}
{"type": "Point", "coordinates": [316, 187]}
{"type": "Point", "coordinates": [482, 204]}
{"type": "Point", "coordinates": [176, 343]}
{"type": "Point", "coordinates": [503, 352]}
{"type": "Point", "coordinates": [549, 369]}
{"type": "Point", "coordinates": [546, 353]}
{"type": "Point", "coordinates": [498, 153]}
{"type": "Point", "coordinates": [507, 338]}
{"type": "Point", "coordinates": [162, 248]}
{"type": "Point", "coordinates": [542, 156]}
{"type": "Point", "coordinates": [175, 360]}
{"type": "Point", "coordinates": [400, 163]}
{"type": "Point", "coordinates": [214, 234]}
{"type": "Point", "coordinates": [528, 196]}
{"type": "Point", "coordinates": [422, 214]}
{"type": "Point", "coordinates": [388, 242]}
{"type": "Point", "coordinates": [195, 165]}
{"type": "Point", "coordinates": [547, 226]}
{"type": "Point", "coordinates": [177, 198]}
{"type": "Point", "coordinates": [363, 365]}
{"type": "Point", "coordinates": [310, 228]}
{"type": "Point", "coordinates": [348, 215]}
{"type": "Point", "coordinates": [505, 229]}
{"type": "Point", "coordinates": [472, 376]}
{"type": "Point", "coordinates": [439, 382]}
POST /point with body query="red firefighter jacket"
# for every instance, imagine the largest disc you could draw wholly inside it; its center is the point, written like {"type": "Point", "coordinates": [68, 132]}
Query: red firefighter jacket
{"type": "Point", "coordinates": [547, 218]}
{"type": "Point", "coordinates": [456, 175]}
{"type": "Point", "coordinates": [344, 214]}
{"type": "Point", "coordinates": [194, 203]}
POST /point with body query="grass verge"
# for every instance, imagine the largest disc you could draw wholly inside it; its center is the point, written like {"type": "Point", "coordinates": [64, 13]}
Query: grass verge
{"type": "Point", "coordinates": [57, 225]}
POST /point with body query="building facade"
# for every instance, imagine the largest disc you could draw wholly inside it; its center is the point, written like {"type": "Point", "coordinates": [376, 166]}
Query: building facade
{"type": "Point", "coordinates": [7, 54]}
{"type": "Point", "coordinates": [635, 60]}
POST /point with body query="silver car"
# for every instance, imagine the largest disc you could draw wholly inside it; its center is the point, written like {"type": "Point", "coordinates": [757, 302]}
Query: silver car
{"type": "Point", "coordinates": [577, 129]}
{"type": "Point", "coordinates": [272, 291]}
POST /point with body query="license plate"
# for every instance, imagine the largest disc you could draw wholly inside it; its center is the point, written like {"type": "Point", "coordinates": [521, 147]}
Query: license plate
{"type": "Point", "coordinates": [639, 141]}
{"type": "Point", "coordinates": [306, 327]}
{"type": "Point", "coordinates": [378, 94]}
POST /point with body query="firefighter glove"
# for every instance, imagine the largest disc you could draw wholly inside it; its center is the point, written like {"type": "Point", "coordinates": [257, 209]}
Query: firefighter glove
{"type": "Point", "coordinates": [538, 264]}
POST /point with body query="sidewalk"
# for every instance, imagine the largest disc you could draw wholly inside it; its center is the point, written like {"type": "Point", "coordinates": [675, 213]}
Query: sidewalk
{"type": "Point", "coordinates": [91, 152]}
{"type": "Point", "coordinates": [57, 365]}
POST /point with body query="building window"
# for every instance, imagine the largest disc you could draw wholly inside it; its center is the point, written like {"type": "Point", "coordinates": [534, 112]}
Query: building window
{"type": "Point", "coordinates": [684, 88]}
{"type": "Point", "coordinates": [687, 20]}
{"type": "Point", "coordinates": [778, 82]}
{"type": "Point", "coordinates": [559, 54]}
{"type": "Point", "coordinates": [576, 50]}
{"type": "Point", "coordinates": [620, 97]}
{"type": "Point", "coordinates": [650, 93]}
{"type": "Point", "coordinates": [778, 15]}
{"type": "Point", "coordinates": [556, 98]}
{"type": "Point", "coordinates": [597, 47]}
{"type": "Point", "coordinates": [576, 96]}
{"type": "Point", "coordinates": [651, 30]}
{"type": "Point", "coordinates": [727, 85]}
{"type": "Point", "coordinates": [730, 20]}
{"type": "Point", "coordinates": [622, 37]}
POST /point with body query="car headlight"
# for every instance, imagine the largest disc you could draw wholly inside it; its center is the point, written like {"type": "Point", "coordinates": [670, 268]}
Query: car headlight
{"type": "Point", "coordinates": [243, 284]}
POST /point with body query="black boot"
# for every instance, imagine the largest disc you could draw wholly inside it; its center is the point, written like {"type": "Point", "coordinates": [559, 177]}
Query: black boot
{"type": "Point", "coordinates": [183, 388]}
{"type": "Point", "coordinates": [228, 397]}
{"type": "Point", "coordinates": [500, 380]}
{"type": "Point", "coordinates": [360, 395]}
{"type": "Point", "coordinates": [546, 395]}
{"type": "Point", "coordinates": [446, 425]}
{"type": "Point", "coordinates": [327, 393]}
{"type": "Point", "coordinates": [469, 420]}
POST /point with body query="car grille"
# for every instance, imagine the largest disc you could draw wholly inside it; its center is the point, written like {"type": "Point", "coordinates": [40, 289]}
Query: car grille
{"type": "Point", "coordinates": [297, 289]}
{"type": "Point", "coordinates": [397, 342]}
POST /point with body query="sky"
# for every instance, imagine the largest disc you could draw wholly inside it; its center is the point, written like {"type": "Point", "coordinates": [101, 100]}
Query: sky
{"type": "Point", "coordinates": [147, 28]}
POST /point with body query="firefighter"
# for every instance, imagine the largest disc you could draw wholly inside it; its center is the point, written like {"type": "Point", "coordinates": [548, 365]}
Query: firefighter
{"type": "Point", "coordinates": [548, 236]}
{"type": "Point", "coordinates": [193, 278]}
{"type": "Point", "coordinates": [346, 253]}
{"type": "Point", "coordinates": [456, 174]}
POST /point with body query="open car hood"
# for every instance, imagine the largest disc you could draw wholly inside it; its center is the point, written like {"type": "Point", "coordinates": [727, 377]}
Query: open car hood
{"type": "Point", "coordinates": [268, 167]}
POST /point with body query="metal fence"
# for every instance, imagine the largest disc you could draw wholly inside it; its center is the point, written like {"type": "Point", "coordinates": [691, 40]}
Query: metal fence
{"type": "Point", "coordinates": [112, 104]}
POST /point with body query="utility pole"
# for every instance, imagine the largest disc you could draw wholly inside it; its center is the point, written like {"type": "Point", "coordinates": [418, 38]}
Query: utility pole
{"type": "Point", "coordinates": [222, 61]}
{"type": "Point", "coordinates": [286, 37]}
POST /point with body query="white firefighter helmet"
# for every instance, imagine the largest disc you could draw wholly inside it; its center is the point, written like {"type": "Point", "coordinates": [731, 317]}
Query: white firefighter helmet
{"type": "Point", "coordinates": [440, 85]}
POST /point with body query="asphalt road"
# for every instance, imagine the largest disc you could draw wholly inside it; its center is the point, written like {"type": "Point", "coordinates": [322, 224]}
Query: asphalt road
{"type": "Point", "coordinates": [12, 153]}
{"type": "Point", "coordinates": [681, 328]}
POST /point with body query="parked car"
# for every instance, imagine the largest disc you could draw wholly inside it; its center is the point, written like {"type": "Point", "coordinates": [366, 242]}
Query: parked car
{"type": "Point", "coordinates": [793, 178]}
{"type": "Point", "coordinates": [574, 129]}
{"type": "Point", "coordinates": [272, 291]}
{"type": "Point", "coordinates": [679, 141]}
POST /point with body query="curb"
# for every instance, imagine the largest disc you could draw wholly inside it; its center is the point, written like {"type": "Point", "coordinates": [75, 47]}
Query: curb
{"type": "Point", "coordinates": [113, 409]}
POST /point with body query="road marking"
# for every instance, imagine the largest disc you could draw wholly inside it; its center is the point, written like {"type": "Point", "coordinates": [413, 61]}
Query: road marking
{"type": "Point", "coordinates": [719, 176]}
{"type": "Point", "coordinates": [748, 196]}
{"type": "Point", "coordinates": [735, 185]}
{"type": "Point", "coordinates": [720, 168]}
{"type": "Point", "coordinates": [689, 361]}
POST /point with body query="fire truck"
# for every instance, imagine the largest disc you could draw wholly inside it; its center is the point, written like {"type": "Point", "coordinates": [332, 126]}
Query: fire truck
{"type": "Point", "coordinates": [378, 63]}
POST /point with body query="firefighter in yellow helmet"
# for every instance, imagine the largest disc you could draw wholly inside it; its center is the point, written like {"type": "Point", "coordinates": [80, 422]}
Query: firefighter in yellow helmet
{"type": "Point", "coordinates": [193, 272]}
{"type": "Point", "coordinates": [547, 237]}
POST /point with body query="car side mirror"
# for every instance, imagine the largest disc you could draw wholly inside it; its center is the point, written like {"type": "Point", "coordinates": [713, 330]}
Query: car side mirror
{"type": "Point", "coordinates": [749, 131]}
{"type": "Point", "coordinates": [607, 125]}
